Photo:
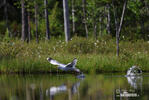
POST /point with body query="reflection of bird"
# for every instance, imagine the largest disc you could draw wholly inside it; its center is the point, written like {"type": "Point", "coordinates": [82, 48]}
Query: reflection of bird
{"type": "Point", "coordinates": [62, 89]}
{"type": "Point", "coordinates": [68, 67]}
{"type": "Point", "coordinates": [75, 87]}
{"type": "Point", "coordinates": [135, 81]}
{"type": "Point", "coordinates": [134, 70]}
{"type": "Point", "coordinates": [55, 90]}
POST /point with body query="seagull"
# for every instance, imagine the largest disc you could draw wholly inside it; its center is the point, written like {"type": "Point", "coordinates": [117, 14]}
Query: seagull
{"type": "Point", "coordinates": [65, 67]}
{"type": "Point", "coordinates": [133, 71]}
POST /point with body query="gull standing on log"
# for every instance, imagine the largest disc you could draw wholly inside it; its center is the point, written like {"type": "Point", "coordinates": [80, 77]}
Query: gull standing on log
{"type": "Point", "coordinates": [65, 67]}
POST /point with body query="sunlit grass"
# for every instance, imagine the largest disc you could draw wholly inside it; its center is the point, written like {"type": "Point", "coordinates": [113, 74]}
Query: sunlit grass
{"type": "Point", "coordinates": [93, 55]}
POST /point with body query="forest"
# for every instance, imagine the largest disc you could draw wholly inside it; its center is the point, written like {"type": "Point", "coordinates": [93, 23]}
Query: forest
{"type": "Point", "coordinates": [104, 35]}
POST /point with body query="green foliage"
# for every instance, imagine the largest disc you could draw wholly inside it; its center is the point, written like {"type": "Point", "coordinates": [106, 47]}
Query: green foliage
{"type": "Point", "coordinates": [2, 28]}
{"type": "Point", "coordinates": [55, 27]}
{"type": "Point", "coordinates": [93, 56]}
{"type": "Point", "coordinates": [135, 26]}
{"type": "Point", "coordinates": [135, 20]}
{"type": "Point", "coordinates": [6, 37]}
{"type": "Point", "coordinates": [9, 49]}
{"type": "Point", "coordinates": [80, 45]}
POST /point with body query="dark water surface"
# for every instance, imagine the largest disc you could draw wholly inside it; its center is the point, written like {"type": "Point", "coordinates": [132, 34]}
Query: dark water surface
{"type": "Point", "coordinates": [68, 87]}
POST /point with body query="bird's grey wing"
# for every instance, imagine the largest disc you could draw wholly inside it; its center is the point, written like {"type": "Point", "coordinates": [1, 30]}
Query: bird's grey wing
{"type": "Point", "coordinates": [72, 64]}
{"type": "Point", "coordinates": [54, 62]}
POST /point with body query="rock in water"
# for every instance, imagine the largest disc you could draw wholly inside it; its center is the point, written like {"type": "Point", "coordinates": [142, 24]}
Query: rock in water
{"type": "Point", "coordinates": [134, 71]}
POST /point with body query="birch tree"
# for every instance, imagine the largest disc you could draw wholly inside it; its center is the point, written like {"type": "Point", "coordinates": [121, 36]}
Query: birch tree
{"type": "Point", "coordinates": [24, 21]}
{"type": "Point", "coordinates": [66, 20]}
{"type": "Point", "coordinates": [73, 16]}
{"type": "Point", "coordinates": [108, 19]}
{"type": "Point", "coordinates": [36, 21]}
{"type": "Point", "coordinates": [29, 27]}
{"type": "Point", "coordinates": [118, 27]}
{"type": "Point", "coordinates": [47, 20]}
{"type": "Point", "coordinates": [84, 17]}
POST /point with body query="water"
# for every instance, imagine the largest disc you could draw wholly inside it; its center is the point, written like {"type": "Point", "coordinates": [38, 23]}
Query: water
{"type": "Point", "coordinates": [69, 87]}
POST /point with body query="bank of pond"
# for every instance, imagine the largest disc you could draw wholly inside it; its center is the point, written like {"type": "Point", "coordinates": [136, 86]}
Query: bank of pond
{"type": "Point", "coordinates": [94, 56]}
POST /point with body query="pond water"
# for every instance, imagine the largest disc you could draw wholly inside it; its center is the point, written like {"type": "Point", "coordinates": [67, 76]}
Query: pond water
{"type": "Point", "coordinates": [68, 87]}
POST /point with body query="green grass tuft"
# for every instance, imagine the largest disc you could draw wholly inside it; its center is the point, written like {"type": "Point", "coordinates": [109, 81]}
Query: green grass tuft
{"type": "Point", "coordinates": [93, 56]}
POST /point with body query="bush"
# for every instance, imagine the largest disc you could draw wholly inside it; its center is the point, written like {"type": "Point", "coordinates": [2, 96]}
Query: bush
{"type": "Point", "coordinates": [10, 49]}
{"type": "Point", "coordinates": [80, 46]}
{"type": "Point", "coordinates": [2, 27]}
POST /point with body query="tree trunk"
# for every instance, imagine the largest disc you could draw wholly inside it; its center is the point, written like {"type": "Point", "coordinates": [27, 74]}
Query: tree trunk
{"type": "Point", "coordinates": [118, 28]}
{"type": "Point", "coordinates": [29, 28]}
{"type": "Point", "coordinates": [73, 16]}
{"type": "Point", "coordinates": [36, 23]}
{"type": "Point", "coordinates": [122, 17]}
{"type": "Point", "coordinates": [47, 20]}
{"type": "Point", "coordinates": [84, 17]}
{"type": "Point", "coordinates": [23, 20]}
{"type": "Point", "coordinates": [26, 26]}
{"type": "Point", "coordinates": [142, 28]}
{"type": "Point", "coordinates": [95, 29]}
{"type": "Point", "coordinates": [108, 19]}
{"type": "Point", "coordinates": [100, 28]}
{"type": "Point", "coordinates": [66, 20]}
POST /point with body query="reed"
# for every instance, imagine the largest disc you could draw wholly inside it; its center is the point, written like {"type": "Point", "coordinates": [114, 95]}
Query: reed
{"type": "Point", "coordinates": [93, 56]}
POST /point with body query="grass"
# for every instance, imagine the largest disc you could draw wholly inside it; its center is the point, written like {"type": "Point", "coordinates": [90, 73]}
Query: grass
{"type": "Point", "coordinates": [93, 56]}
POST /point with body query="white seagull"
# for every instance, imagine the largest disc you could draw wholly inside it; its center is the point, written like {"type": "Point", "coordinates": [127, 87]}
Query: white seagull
{"type": "Point", "coordinates": [134, 71]}
{"type": "Point", "coordinates": [65, 67]}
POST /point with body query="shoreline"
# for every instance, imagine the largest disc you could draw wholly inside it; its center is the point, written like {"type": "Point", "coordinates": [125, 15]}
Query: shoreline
{"type": "Point", "coordinates": [19, 57]}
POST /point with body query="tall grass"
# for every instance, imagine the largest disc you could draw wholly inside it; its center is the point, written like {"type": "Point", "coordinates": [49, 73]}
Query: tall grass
{"type": "Point", "coordinates": [93, 55]}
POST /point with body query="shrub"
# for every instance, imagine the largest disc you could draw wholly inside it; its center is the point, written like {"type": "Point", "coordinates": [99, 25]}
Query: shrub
{"type": "Point", "coordinates": [80, 46]}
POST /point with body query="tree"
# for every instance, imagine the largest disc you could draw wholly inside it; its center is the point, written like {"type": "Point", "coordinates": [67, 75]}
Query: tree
{"type": "Point", "coordinates": [24, 21]}
{"type": "Point", "coordinates": [47, 20]}
{"type": "Point", "coordinates": [73, 16]}
{"type": "Point", "coordinates": [6, 5]}
{"type": "Point", "coordinates": [84, 17]}
{"type": "Point", "coordinates": [66, 20]}
{"type": "Point", "coordinates": [29, 27]}
{"type": "Point", "coordinates": [108, 19]}
{"type": "Point", "coordinates": [118, 28]}
{"type": "Point", "coordinates": [36, 21]}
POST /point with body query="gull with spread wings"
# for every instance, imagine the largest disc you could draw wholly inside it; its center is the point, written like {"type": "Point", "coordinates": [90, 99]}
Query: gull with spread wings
{"type": "Point", "coordinates": [65, 67]}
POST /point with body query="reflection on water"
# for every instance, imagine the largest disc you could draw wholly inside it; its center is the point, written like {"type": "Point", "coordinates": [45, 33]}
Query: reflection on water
{"type": "Point", "coordinates": [52, 91]}
{"type": "Point", "coordinates": [135, 81]}
{"type": "Point", "coordinates": [136, 91]}
{"type": "Point", "coordinates": [68, 87]}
